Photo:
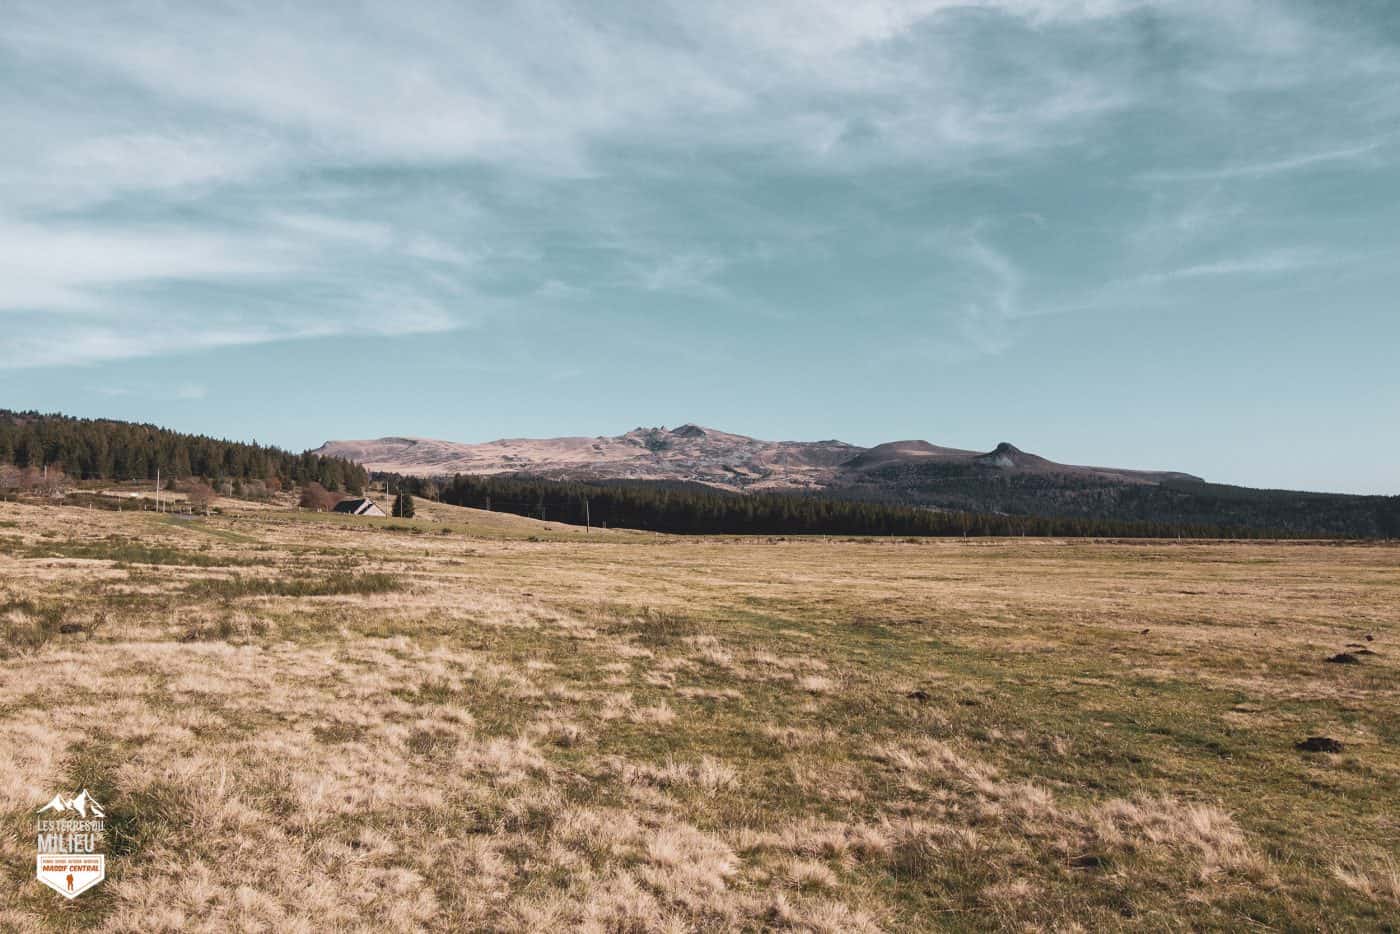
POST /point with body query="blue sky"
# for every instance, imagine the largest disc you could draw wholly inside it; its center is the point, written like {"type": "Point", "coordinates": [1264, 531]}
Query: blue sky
{"type": "Point", "coordinates": [1154, 234]}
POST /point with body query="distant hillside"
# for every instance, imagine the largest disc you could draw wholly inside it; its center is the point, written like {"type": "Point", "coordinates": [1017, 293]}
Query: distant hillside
{"type": "Point", "coordinates": [690, 453]}
{"type": "Point", "coordinates": [105, 449]}
{"type": "Point", "coordinates": [1002, 481]}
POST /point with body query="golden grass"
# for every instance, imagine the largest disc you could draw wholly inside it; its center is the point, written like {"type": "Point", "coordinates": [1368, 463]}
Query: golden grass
{"type": "Point", "coordinates": [309, 723]}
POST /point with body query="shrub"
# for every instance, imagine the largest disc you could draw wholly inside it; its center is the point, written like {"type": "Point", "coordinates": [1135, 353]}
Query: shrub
{"type": "Point", "coordinates": [318, 498]}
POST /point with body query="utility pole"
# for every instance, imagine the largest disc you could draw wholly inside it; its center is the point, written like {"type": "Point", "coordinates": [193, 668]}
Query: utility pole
{"type": "Point", "coordinates": [587, 517]}
{"type": "Point", "coordinates": [157, 489]}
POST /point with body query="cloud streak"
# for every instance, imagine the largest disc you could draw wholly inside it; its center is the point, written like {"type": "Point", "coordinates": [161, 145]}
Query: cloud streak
{"type": "Point", "coordinates": [1344, 156]}
{"type": "Point", "coordinates": [1272, 262]}
{"type": "Point", "coordinates": [137, 334]}
{"type": "Point", "coordinates": [67, 268]}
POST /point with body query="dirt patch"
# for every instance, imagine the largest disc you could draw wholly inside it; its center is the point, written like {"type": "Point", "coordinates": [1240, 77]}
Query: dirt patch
{"type": "Point", "coordinates": [1318, 744]}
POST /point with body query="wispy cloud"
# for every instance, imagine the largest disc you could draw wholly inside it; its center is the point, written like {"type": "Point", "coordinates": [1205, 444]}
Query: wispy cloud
{"type": "Point", "coordinates": [82, 341]}
{"type": "Point", "coordinates": [982, 315]}
{"type": "Point", "coordinates": [1346, 155]}
{"type": "Point", "coordinates": [151, 160]}
{"type": "Point", "coordinates": [66, 267]}
{"type": "Point", "coordinates": [184, 391]}
{"type": "Point", "coordinates": [988, 324]}
{"type": "Point", "coordinates": [537, 86]}
{"type": "Point", "coordinates": [690, 272]}
{"type": "Point", "coordinates": [1270, 262]}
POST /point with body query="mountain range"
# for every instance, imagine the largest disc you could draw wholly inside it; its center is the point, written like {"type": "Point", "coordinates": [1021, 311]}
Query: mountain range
{"type": "Point", "coordinates": [694, 454]}
{"type": "Point", "coordinates": [1003, 480]}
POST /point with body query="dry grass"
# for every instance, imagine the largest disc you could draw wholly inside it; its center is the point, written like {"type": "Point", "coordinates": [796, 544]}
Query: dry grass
{"type": "Point", "coordinates": [303, 723]}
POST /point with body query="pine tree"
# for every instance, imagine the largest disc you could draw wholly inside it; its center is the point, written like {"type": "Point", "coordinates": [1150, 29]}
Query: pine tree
{"type": "Point", "coordinates": [403, 506]}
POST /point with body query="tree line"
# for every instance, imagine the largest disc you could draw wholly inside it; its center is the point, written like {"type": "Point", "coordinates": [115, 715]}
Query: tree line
{"type": "Point", "coordinates": [103, 449]}
{"type": "Point", "coordinates": [1172, 502]}
{"type": "Point", "coordinates": [687, 510]}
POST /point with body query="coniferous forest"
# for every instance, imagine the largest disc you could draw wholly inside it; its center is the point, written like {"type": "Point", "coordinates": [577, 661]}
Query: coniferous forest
{"type": "Point", "coordinates": [103, 449]}
{"type": "Point", "coordinates": [694, 509]}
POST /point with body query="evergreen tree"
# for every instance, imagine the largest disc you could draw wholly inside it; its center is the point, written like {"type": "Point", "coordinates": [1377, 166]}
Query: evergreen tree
{"type": "Point", "coordinates": [403, 506]}
{"type": "Point", "coordinates": [180, 464]}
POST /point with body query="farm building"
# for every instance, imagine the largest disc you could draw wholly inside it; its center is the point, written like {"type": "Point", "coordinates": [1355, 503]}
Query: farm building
{"type": "Point", "coordinates": [359, 507]}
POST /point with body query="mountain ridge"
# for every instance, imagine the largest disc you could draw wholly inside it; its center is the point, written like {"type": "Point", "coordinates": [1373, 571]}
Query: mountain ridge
{"type": "Point", "coordinates": [697, 454]}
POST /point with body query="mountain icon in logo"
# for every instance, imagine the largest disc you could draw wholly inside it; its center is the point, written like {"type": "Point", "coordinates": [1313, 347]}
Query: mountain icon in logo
{"type": "Point", "coordinates": [84, 805]}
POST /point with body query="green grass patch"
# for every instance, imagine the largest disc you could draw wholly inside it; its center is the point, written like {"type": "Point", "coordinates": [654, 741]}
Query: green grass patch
{"type": "Point", "coordinates": [197, 525]}
{"type": "Point", "coordinates": [123, 551]}
{"type": "Point", "coordinates": [335, 584]}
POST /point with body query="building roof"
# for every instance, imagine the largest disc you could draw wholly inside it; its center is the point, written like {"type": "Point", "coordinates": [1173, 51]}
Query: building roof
{"type": "Point", "coordinates": [361, 506]}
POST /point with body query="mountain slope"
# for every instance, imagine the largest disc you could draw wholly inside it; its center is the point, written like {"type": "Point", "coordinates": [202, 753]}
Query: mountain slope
{"type": "Point", "coordinates": [688, 453]}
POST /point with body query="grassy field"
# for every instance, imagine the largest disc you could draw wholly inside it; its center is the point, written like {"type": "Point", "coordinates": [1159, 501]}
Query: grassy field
{"type": "Point", "coordinates": [474, 721]}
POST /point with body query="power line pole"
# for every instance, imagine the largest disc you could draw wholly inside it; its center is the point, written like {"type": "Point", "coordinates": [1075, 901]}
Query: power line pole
{"type": "Point", "coordinates": [587, 517]}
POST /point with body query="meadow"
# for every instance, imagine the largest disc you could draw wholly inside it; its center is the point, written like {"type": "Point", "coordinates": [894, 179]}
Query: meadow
{"type": "Point", "coordinates": [469, 721]}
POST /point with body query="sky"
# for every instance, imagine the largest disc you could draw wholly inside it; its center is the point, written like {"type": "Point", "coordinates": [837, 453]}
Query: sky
{"type": "Point", "coordinates": [1118, 232]}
